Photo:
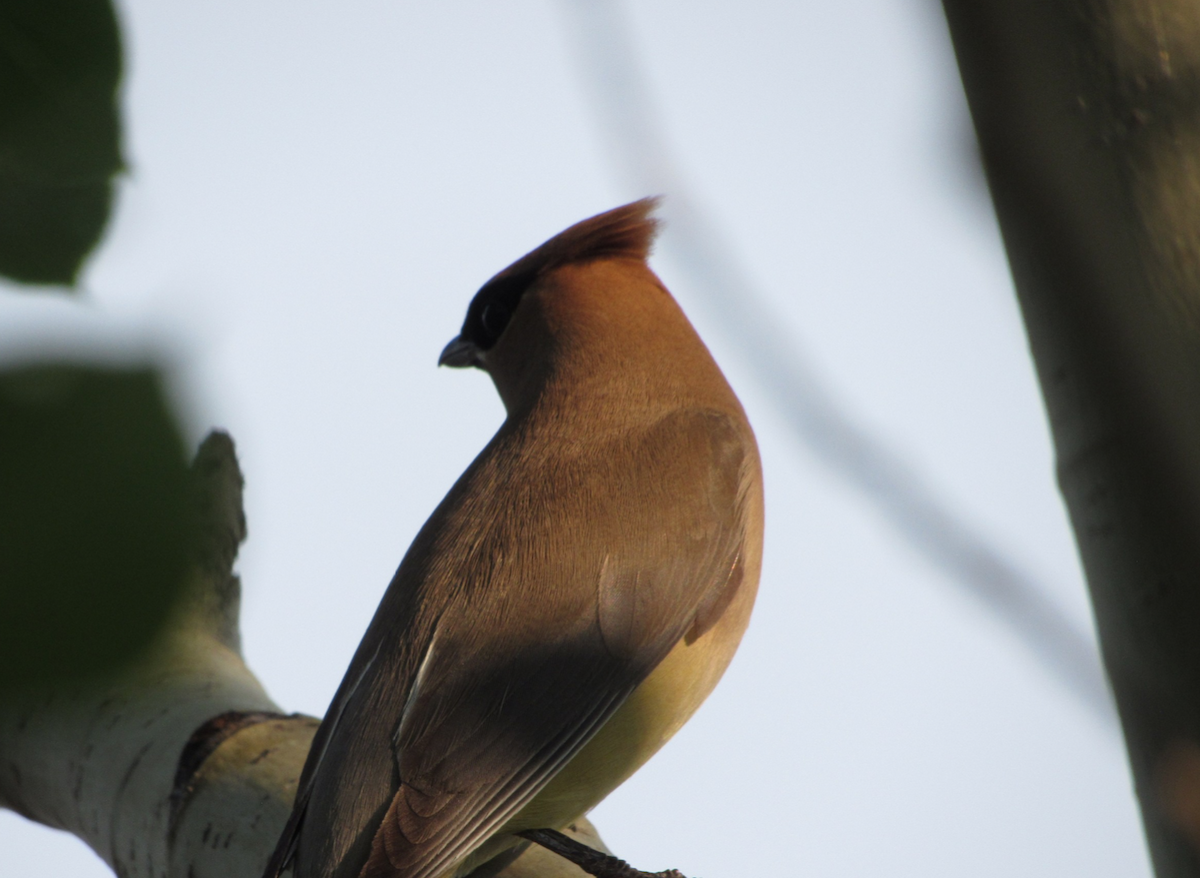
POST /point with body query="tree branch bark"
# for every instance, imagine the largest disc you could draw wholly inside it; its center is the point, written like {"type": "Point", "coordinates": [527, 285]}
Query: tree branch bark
{"type": "Point", "coordinates": [181, 766]}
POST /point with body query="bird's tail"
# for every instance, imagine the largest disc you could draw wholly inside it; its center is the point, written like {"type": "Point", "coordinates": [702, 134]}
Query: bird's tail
{"type": "Point", "coordinates": [285, 848]}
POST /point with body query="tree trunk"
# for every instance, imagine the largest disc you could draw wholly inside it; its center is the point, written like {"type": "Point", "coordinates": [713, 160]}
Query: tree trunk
{"type": "Point", "coordinates": [1087, 117]}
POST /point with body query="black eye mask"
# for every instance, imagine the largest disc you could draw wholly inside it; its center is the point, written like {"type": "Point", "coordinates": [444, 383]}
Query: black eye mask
{"type": "Point", "coordinates": [493, 307]}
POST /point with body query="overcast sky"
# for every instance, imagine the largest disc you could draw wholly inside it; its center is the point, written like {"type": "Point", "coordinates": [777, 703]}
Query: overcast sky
{"type": "Point", "coordinates": [315, 192]}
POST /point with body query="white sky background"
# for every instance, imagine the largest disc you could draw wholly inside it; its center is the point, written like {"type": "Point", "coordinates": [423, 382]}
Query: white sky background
{"type": "Point", "coordinates": [318, 189]}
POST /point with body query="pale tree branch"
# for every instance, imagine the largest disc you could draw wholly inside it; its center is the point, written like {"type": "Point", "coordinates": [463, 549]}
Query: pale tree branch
{"type": "Point", "coordinates": [182, 766]}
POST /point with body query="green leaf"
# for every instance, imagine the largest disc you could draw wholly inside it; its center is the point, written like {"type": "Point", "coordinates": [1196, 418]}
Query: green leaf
{"type": "Point", "coordinates": [60, 66]}
{"type": "Point", "coordinates": [94, 520]}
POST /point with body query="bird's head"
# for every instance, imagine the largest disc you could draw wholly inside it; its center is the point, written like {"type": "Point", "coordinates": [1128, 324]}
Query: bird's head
{"type": "Point", "coordinates": [508, 331]}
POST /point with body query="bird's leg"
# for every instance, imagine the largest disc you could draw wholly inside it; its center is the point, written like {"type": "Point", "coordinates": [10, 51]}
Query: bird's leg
{"type": "Point", "coordinates": [592, 861]}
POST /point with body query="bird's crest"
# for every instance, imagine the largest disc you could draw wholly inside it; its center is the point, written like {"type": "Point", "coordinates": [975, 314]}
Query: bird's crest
{"type": "Point", "coordinates": [625, 232]}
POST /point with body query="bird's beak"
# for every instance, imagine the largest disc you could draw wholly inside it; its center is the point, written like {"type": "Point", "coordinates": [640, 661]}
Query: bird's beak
{"type": "Point", "coordinates": [459, 353]}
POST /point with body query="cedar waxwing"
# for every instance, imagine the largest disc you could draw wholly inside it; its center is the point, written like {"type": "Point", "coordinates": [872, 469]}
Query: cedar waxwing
{"type": "Point", "coordinates": [573, 599]}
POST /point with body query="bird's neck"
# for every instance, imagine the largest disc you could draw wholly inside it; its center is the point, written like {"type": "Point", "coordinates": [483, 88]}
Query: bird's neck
{"type": "Point", "coordinates": [616, 350]}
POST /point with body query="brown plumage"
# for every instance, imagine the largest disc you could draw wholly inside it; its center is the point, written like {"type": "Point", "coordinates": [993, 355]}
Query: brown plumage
{"type": "Point", "coordinates": [574, 597]}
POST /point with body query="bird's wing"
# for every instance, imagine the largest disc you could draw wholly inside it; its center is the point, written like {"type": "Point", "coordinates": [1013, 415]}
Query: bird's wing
{"type": "Point", "coordinates": [613, 558]}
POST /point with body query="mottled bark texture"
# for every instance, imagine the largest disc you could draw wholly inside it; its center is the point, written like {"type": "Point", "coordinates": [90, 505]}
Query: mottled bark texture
{"type": "Point", "coordinates": [182, 766]}
{"type": "Point", "coordinates": [1088, 117]}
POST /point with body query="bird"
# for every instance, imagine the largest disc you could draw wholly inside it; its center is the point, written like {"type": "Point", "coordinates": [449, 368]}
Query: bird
{"type": "Point", "coordinates": [573, 599]}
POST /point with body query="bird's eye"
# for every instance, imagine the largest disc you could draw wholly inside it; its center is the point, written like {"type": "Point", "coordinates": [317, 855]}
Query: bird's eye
{"type": "Point", "coordinates": [494, 318]}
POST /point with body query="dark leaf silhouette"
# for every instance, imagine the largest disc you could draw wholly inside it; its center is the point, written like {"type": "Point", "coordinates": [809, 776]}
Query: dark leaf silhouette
{"type": "Point", "coordinates": [60, 64]}
{"type": "Point", "coordinates": [94, 520]}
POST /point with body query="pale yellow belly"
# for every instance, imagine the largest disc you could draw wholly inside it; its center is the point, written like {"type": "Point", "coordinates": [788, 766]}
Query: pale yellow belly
{"type": "Point", "coordinates": [655, 711]}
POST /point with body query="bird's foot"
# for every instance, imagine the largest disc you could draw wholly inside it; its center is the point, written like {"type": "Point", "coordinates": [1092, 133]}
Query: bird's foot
{"type": "Point", "coordinates": [590, 860]}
